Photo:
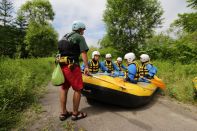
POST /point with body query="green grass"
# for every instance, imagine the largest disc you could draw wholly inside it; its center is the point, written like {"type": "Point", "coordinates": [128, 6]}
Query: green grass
{"type": "Point", "coordinates": [178, 79]}
{"type": "Point", "coordinates": [72, 126]}
{"type": "Point", "coordinates": [21, 83]}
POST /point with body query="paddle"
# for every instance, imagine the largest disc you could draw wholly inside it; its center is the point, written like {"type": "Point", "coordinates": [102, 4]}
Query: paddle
{"type": "Point", "coordinates": [123, 87]}
{"type": "Point", "coordinates": [115, 83]}
{"type": "Point", "coordinates": [158, 82]}
{"type": "Point", "coordinates": [123, 83]}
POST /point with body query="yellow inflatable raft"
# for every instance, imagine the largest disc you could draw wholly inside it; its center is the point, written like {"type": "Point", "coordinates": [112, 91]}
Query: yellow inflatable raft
{"type": "Point", "coordinates": [115, 91]}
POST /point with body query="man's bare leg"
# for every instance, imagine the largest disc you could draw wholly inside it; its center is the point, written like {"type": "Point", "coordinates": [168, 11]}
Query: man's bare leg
{"type": "Point", "coordinates": [76, 101]}
{"type": "Point", "coordinates": [63, 100]}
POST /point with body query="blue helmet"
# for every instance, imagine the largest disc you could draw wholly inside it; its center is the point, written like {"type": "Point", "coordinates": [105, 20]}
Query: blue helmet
{"type": "Point", "coordinates": [78, 25]}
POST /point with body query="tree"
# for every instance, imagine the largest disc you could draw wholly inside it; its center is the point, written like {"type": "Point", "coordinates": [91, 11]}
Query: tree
{"type": "Point", "coordinates": [41, 40]}
{"type": "Point", "coordinates": [192, 4]}
{"type": "Point", "coordinates": [6, 9]}
{"type": "Point", "coordinates": [130, 22]}
{"type": "Point", "coordinates": [21, 24]}
{"type": "Point", "coordinates": [39, 11]}
{"type": "Point", "coordinates": [187, 21]}
{"type": "Point", "coordinates": [159, 46]}
{"type": "Point", "coordinates": [10, 38]}
{"type": "Point", "coordinates": [105, 42]}
{"type": "Point", "coordinates": [181, 47]}
{"type": "Point", "coordinates": [21, 21]}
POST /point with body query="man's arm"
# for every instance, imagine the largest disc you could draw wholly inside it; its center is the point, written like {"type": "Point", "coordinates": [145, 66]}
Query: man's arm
{"type": "Point", "coordinates": [83, 66]}
{"type": "Point", "coordinates": [85, 61]}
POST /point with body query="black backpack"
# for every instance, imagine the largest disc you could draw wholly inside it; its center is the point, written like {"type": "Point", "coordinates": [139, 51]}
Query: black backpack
{"type": "Point", "coordinates": [67, 48]}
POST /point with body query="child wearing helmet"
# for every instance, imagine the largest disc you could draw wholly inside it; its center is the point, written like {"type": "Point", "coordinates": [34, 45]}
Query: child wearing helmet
{"type": "Point", "coordinates": [147, 70]}
{"type": "Point", "coordinates": [132, 74]}
{"type": "Point", "coordinates": [119, 64]}
{"type": "Point", "coordinates": [94, 65]}
{"type": "Point", "coordinates": [109, 64]}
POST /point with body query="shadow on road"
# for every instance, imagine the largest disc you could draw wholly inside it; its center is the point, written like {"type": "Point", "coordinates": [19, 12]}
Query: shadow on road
{"type": "Point", "coordinates": [97, 107]}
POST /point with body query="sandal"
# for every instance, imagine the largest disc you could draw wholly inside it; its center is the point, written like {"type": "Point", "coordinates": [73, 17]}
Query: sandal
{"type": "Point", "coordinates": [79, 115]}
{"type": "Point", "coordinates": [65, 116]}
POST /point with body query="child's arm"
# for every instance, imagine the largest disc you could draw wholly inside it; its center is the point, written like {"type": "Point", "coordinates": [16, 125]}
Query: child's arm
{"type": "Point", "coordinates": [102, 67]}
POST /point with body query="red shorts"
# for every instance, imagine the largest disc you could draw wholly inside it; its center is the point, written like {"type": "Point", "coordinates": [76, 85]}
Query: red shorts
{"type": "Point", "coordinates": [72, 78]}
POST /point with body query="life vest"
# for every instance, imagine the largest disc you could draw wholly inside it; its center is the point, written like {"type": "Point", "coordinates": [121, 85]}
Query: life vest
{"type": "Point", "coordinates": [137, 68]}
{"type": "Point", "coordinates": [143, 70]}
{"type": "Point", "coordinates": [109, 65]}
{"type": "Point", "coordinates": [118, 65]}
{"type": "Point", "coordinates": [94, 67]}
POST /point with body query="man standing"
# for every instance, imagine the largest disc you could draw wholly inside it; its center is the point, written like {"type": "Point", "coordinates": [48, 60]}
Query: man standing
{"type": "Point", "coordinates": [70, 47]}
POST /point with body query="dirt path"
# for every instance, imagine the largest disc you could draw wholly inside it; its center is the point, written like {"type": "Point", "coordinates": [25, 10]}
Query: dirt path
{"type": "Point", "coordinates": [160, 115]}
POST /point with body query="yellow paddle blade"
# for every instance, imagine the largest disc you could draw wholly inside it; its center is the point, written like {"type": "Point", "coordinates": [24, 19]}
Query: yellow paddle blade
{"type": "Point", "coordinates": [195, 82]}
{"type": "Point", "coordinates": [157, 78]}
{"type": "Point", "coordinates": [158, 83]}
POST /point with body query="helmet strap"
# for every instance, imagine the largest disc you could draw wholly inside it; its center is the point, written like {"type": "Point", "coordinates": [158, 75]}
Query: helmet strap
{"type": "Point", "coordinates": [78, 31]}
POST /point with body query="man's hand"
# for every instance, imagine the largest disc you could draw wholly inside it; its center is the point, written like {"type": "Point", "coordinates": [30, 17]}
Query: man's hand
{"type": "Point", "coordinates": [86, 71]}
{"type": "Point", "coordinates": [57, 58]}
